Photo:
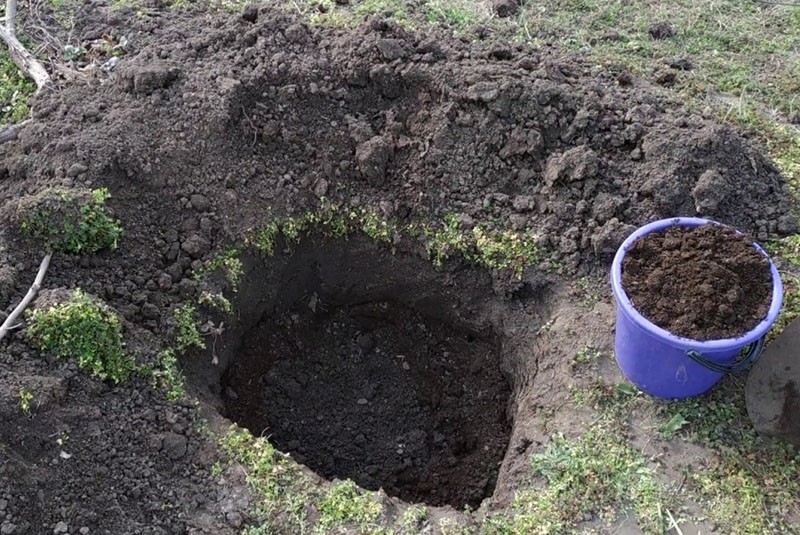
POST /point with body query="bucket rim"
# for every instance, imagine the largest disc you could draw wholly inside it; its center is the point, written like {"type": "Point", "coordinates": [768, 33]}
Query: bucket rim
{"type": "Point", "coordinates": [625, 304]}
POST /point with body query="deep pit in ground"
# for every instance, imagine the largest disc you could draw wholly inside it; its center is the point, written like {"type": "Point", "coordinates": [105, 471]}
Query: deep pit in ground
{"type": "Point", "coordinates": [371, 366]}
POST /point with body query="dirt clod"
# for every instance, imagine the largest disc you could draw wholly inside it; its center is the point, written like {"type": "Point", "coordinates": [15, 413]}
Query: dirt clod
{"type": "Point", "coordinates": [703, 283]}
{"type": "Point", "coordinates": [661, 30]}
{"type": "Point", "coordinates": [506, 8]}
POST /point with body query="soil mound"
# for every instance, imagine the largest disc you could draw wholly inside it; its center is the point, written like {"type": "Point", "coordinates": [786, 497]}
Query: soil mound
{"type": "Point", "coordinates": [244, 116]}
{"type": "Point", "coordinates": [704, 283]}
{"type": "Point", "coordinates": [213, 125]}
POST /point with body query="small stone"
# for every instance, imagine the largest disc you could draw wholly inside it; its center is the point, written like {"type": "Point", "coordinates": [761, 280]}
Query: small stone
{"type": "Point", "coordinates": [362, 401]}
{"type": "Point", "coordinates": [321, 188]}
{"type": "Point", "coordinates": [365, 342]}
{"type": "Point", "coordinates": [200, 202]}
{"type": "Point", "coordinates": [661, 30]}
{"type": "Point", "coordinates": [8, 528]}
{"type": "Point", "coordinates": [174, 445]}
{"type": "Point", "coordinates": [373, 157]}
{"type": "Point", "coordinates": [681, 64]}
{"type": "Point", "coordinates": [234, 519]}
{"type": "Point", "coordinates": [250, 14]}
{"type": "Point", "coordinates": [195, 246]}
{"type": "Point", "coordinates": [666, 78]}
{"type": "Point", "coordinates": [625, 79]}
{"type": "Point", "coordinates": [61, 527]}
{"type": "Point", "coordinates": [231, 393]}
{"type": "Point", "coordinates": [76, 169]}
{"type": "Point", "coordinates": [391, 49]}
{"type": "Point", "coordinates": [165, 281]}
{"type": "Point", "coordinates": [84, 531]}
{"type": "Point", "coordinates": [3, 505]}
{"type": "Point", "coordinates": [506, 8]}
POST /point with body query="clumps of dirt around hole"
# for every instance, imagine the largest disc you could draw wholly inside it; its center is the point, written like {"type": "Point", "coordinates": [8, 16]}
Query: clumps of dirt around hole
{"type": "Point", "coordinates": [373, 366]}
{"type": "Point", "coordinates": [706, 282]}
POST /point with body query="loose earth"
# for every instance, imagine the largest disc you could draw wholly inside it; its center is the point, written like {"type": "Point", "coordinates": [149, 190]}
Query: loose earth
{"type": "Point", "coordinates": [705, 283]}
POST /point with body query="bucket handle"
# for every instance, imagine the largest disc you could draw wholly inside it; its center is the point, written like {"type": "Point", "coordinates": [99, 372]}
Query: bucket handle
{"type": "Point", "coordinates": [754, 351]}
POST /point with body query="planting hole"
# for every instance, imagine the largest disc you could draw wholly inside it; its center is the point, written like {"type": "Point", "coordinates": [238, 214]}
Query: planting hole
{"type": "Point", "coordinates": [361, 365]}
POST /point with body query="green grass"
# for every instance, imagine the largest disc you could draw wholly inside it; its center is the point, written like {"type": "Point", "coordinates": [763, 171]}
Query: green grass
{"type": "Point", "coordinates": [598, 475]}
{"type": "Point", "coordinates": [70, 221]}
{"type": "Point", "coordinates": [15, 91]}
{"type": "Point", "coordinates": [187, 335]}
{"type": "Point", "coordinates": [345, 504]}
{"type": "Point", "coordinates": [86, 330]}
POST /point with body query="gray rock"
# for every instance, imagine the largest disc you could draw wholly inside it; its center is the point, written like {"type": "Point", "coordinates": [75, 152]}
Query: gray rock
{"type": "Point", "coordinates": [773, 388]}
{"type": "Point", "coordinates": [174, 445]}
{"type": "Point", "coordinates": [373, 156]}
{"type": "Point", "coordinates": [61, 527]}
{"type": "Point", "coordinates": [391, 49]}
{"type": "Point", "coordinates": [200, 202]}
{"type": "Point", "coordinates": [195, 246]}
{"type": "Point", "coordinates": [710, 191]}
{"type": "Point", "coordinates": [76, 169]}
{"type": "Point", "coordinates": [8, 528]}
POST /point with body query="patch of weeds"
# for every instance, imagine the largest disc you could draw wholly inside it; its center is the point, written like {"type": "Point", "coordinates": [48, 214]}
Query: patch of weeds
{"type": "Point", "coordinates": [263, 240]}
{"type": "Point", "coordinates": [345, 504]}
{"type": "Point", "coordinates": [216, 301]}
{"type": "Point", "coordinates": [751, 494]}
{"type": "Point", "coordinates": [588, 354]}
{"type": "Point", "coordinates": [413, 517]}
{"type": "Point", "coordinates": [16, 89]}
{"type": "Point", "coordinates": [168, 377]}
{"type": "Point", "coordinates": [596, 474]}
{"type": "Point", "coordinates": [229, 262]}
{"type": "Point", "coordinates": [613, 402]}
{"type": "Point", "coordinates": [753, 482]}
{"type": "Point", "coordinates": [456, 13]}
{"type": "Point", "coordinates": [393, 9]}
{"type": "Point", "coordinates": [589, 294]}
{"type": "Point", "coordinates": [187, 335]}
{"type": "Point", "coordinates": [671, 427]}
{"type": "Point", "coordinates": [86, 330]}
{"type": "Point", "coordinates": [70, 221]}
{"type": "Point", "coordinates": [278, 483]}
{"type": "Point", "coordinates": [491, 248]}
{"type": "Point", "coordinates": [25, 398]}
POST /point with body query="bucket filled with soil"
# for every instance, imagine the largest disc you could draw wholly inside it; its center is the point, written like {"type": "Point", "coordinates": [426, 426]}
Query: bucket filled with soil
{"type": "Point", "coordinates": [695, 300]}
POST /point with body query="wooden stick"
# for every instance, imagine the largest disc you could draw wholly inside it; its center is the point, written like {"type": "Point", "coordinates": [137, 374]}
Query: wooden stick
{"type": "Point", "coordinates": [11, 17]}
{"type": "Point", "coordinates": [22, 58]}
{"type": "Point", "coordinates": [32, 291]}
{"type": "Point", "coordinates": [10, 133]}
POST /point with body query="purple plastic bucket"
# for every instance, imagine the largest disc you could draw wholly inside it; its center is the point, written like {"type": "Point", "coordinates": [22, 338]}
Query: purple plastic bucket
{"type": "Point", "coordinates": [673, 367]}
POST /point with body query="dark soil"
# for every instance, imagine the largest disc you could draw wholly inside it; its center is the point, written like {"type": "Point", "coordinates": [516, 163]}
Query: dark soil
{"type": "Point", "coordinates": [704, 283]}
{"type": "Point", "coordinates": [211, 125]}
{"type": "Point", "coordinates": [378, 394]}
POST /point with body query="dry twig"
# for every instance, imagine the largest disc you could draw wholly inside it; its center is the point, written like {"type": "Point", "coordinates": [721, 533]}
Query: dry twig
{"type": "Point", "coordinates": [32, 291]}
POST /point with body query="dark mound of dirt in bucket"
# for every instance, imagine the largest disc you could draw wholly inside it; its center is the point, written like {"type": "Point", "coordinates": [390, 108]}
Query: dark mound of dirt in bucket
{"type": "Point", "coordinates": [210, 126]}
{"type": "Point", "coordinates": [704, 283]}
{"type": "Point", "coordinates": [378, 394]}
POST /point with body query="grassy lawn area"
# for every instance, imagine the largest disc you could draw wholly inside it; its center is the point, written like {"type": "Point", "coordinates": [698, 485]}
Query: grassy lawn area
{"type": "Point", "coordinates": [736, 59]}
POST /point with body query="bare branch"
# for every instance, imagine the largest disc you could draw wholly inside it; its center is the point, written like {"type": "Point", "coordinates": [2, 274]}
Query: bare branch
{"type": "Point", "coordinates": [32, 291]}
{"type": "Point", "coordinates": [11, 17]}
{"type": "Point", "coordinates": [10, 133]}
{"type": "Point", "coordinates": [23, 59]}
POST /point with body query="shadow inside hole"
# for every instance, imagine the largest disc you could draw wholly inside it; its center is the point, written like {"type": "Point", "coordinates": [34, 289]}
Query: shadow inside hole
{"type": "Point", "coordinates": [363, 365]}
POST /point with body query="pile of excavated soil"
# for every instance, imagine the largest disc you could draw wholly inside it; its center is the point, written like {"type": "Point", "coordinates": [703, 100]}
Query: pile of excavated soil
{"type": "Point", "coordinates": [704, 283]}
{"type": "Point", "coordinates": [212, 125]}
